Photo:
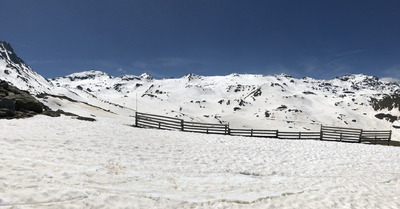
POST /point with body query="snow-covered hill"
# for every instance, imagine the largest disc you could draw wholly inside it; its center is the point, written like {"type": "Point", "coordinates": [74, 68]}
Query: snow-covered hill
{"type": "Point", "coordinates": [245, 100]}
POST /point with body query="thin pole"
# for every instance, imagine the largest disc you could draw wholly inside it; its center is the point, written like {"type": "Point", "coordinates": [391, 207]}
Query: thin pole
{"type": "Point", "coordinates": [136, 102]}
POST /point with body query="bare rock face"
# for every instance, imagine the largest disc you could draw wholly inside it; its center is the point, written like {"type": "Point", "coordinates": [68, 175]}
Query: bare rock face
{"type": "Point", "coordinates": [14, 70]}
{"type": "Point", "coordinates": [15, 103]}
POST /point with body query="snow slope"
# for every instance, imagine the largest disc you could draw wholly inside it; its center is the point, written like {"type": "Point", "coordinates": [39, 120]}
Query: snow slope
{"type": "Point", "coordinates": [67, 163]}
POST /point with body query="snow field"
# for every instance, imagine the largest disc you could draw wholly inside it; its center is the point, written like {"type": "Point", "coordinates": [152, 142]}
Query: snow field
{"type": "Point", "coordinates": [66, 163]}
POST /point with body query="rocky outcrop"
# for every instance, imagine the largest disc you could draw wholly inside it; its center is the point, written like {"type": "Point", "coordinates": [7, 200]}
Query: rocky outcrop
{"type": "Point", "coordinates": [15, 103]}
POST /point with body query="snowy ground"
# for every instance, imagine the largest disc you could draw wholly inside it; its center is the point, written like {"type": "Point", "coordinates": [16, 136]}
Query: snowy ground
{"type": "Point", "coordinates": [66, 163]}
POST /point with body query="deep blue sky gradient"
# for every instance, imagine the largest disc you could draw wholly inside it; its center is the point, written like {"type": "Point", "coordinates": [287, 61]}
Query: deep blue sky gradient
{"type": "Point", "coordinates": [170, 38]}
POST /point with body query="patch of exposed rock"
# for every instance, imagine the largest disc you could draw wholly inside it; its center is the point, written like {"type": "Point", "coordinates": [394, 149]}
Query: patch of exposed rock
{"type": "Point", "coordinates": [15, 103]}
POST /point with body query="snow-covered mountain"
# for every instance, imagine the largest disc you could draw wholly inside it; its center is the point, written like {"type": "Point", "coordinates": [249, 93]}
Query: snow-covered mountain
{"type": "Point", "coordinates": [242, 100]}
{"type": "Point", "coordinates": [13, 69]}
{"type": "Point", "coordinates": [245, 100]}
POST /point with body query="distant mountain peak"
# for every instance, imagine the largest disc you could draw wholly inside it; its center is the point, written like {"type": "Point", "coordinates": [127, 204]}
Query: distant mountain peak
{"type": "Point", "coordinates": [7, 52]}
{"type": "Point", "coordinates": [146, 77]}
{"type": "Point", "coordinates": [192, 76]}
{"type": "Point", "coordinates": [13, 69]}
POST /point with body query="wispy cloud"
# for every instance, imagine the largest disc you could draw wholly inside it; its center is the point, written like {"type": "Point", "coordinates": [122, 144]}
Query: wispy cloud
{"type": "Point", "coordinates": [163, 62]}
{"type": "Point", "coordinates": [330, 65]}
{"type": "Point", "coordinates": [281, 68]}
{"type": "Point", "coordinates": [323, 67]}
{"type": "Point", "coordinates": [389, 79]}
{"type": "Point", "coordinates": [120, 70]}
{"type": "Point", "coordinates": [346, 53]}
{"type": "Point", "coordinates": [392, 74]}
{"type": "Point", "coordinates": [164, 66]}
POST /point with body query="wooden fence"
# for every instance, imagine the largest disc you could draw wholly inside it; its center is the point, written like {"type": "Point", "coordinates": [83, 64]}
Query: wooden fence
{"type": "Point", "coordinates": [156, 121]}
{"type": "Point", "coordinates": [376, 137]}
{"type": "Point", "coordinates": [207, 128]}
{"type": "Point", "coordinates": [327, 133]}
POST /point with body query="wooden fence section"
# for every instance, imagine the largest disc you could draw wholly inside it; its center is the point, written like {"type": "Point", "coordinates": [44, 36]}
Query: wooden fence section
{"type": "Point", "coordinates": [376, 137]}
{"type": "Point", "coordinates": [208, 128]}
{"type": "Point", "coordinates": [156, 121]}
{"type": "Point", "coordinates": [254, 133]}
{"type": "Point", "coordinates": [329, 133]}
{"type": "Point", "coordinates": [299, 135]}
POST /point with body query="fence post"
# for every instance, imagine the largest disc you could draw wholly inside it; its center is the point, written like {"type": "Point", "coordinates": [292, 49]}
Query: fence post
{"type": "Point", "coordinates": [182, 125]}
{"type": "Point", "coordinates": [321, 134]}
{"type": "Point", "coordinates": [300, 135]}
{"type": "Point", "coordinates": [136, 119]}
{"type": "Point", "coordinates": [277, 134]}
{"type": "Point", "coordinates": [359, 141]}
{"type": "Point", "coordinates": [251, 132]}
{"type": "Point", "coordinates": [390, 137]}
{"type": "Point", "coordinates": [159, 125]}
{"type": "Point", "coordinates": [341, 135]}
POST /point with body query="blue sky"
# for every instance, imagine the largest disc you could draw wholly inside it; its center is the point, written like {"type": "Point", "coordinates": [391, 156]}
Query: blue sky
{"type": "Point", "coordinates": [171, 38]}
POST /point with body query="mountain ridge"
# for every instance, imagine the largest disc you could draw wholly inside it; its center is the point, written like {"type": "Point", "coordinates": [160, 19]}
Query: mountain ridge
{"type": "Point", "coordinates": [241, 92]}
{"type": "Point", "coordinates": [243, 100]}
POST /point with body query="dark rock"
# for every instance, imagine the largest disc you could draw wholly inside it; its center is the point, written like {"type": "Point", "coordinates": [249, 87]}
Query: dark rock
{"type": "Point", "coordinates": [282, 107]}
{"type": "Point", "coordinates": [242, 102]}
{"type": "Point", "coordinates": [6, 113]}
{"type": "Point", "coordinates": [86, 118]}
{"type": "Point", "coordinates": [308, 93]}
{"type": "Point", "coordinates": [387, 102]}
{"type": "Point", "coordinates": [52, 113]}
{"type": "Point", "coordinates": [4, 84]}
{"type": "Point", "coordinates": [7, 104]}
{"type": "Point", "coordinates": [257, 93]}
{"type": "Point", "coordinates": [16, 103]}
{"type": "Point", "coordinates": [388, 117]}
{"type": "Point", "coordinates": [236, 108]}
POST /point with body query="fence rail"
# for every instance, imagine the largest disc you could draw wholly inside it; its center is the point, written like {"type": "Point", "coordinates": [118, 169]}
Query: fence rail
{"type": "Point", "coordinates": [254, 133]}
{"type": "Point", "coordinates": [327, 133]}
{"type": "Point", "coordinates": [208, 128]}
{"type": "Point", "coordinates": [299, 135]}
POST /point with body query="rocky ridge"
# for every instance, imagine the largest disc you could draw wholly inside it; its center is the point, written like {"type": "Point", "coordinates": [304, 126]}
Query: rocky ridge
{"type": "Point", "coordinates": [15, 103]}
{"type": "Point", "coordinates": [13, 69]}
